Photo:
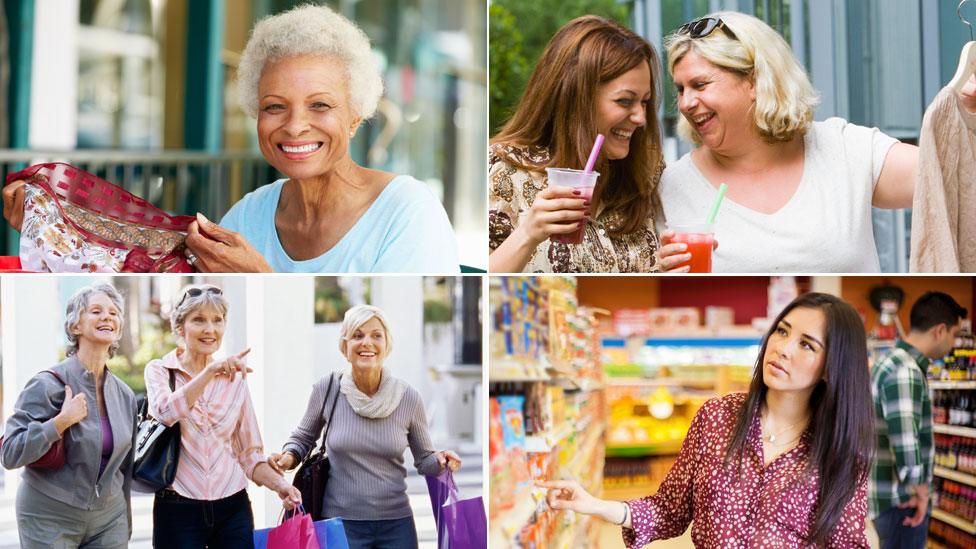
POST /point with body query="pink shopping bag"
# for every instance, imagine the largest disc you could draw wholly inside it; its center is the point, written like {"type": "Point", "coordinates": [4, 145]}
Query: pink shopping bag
{"type": "Point", "coordinates": [297, 532]}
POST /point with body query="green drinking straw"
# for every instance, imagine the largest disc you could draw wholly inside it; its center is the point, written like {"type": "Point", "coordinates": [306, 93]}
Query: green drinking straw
{"type": "Point", "coordinates": [718, 202]}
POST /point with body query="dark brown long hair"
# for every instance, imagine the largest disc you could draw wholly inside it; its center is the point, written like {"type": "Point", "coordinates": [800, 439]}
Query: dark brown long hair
{"type": "Point", "coordinates": [842, 415]}
{"type": "Point", "coordinates": [556, 112]}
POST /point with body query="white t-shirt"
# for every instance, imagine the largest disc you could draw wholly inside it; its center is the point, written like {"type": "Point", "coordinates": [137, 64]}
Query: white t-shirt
{"type": "Point", "coordinates": [825, 227]}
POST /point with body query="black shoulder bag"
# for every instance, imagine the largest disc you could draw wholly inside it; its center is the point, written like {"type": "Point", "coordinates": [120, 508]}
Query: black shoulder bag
{"type": "Point", "coordinates": [313, 473]}
{"type": "Point", "coordinates": [157, 451]}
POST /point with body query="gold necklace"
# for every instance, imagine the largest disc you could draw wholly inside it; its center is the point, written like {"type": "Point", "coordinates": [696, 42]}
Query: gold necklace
{"type": "Point", "coordinates": [771, 437]}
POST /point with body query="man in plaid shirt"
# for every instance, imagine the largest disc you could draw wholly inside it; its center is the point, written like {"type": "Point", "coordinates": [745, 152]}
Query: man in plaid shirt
{"type": "Point", "coordinates": [899, 490]}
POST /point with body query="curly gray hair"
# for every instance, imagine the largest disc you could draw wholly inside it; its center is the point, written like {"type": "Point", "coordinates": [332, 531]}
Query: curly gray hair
{"type": "Point", "coordinates": [77, 305]}
{"type": "Point", "coordinates": [209, 296]}
{"type": "Point", "coordinates": [311, 30]}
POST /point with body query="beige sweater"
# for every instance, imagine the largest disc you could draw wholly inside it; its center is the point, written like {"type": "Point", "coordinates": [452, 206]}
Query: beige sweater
{"type": "Point", "coordinates": [944, 206]}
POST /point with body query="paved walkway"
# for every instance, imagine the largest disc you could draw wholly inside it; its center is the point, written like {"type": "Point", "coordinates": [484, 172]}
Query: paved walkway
{"type": "Point", "coordinates": [469, 481]}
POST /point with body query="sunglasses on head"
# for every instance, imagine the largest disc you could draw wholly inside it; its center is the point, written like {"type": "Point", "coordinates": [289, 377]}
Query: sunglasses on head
{"type": "Point", "coordinates": [194, 292]}
{"type": "Point", "coordinates": [700, 28]}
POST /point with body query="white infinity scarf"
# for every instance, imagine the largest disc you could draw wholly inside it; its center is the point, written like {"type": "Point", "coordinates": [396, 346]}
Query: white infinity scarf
{"type": "Point", "coordinates": [381, 404]}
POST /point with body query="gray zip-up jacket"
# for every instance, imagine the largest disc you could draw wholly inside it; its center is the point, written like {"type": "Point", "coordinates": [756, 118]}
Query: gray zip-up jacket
{"type": "Point", "coordinates": [30, 432]}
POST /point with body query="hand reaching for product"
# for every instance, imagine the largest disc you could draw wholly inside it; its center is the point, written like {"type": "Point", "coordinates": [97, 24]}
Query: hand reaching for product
{"type": "Point", "coordinates": [570, 495]}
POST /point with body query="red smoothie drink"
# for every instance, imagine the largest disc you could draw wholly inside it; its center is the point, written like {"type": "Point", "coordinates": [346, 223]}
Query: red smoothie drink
{"type": "Point", "coordinates": [699, 239]}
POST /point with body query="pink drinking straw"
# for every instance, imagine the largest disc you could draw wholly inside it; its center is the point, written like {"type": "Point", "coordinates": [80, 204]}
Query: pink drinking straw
{"type": "Point", "coordinates": [594, 153]}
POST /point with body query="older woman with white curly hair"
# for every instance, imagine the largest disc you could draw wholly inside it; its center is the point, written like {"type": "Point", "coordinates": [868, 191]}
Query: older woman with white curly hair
{"type": "Point", "coordinates": [220, 443]}
{"type": "Point", "coordinates": [375, 417]}
{"type": "Point", "coordinates": [799, 192]}
{"type": "Point", "coordinates": [310, 78]}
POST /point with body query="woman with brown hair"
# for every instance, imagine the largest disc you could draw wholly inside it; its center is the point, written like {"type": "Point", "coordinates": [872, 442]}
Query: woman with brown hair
{"type": "Point", "coordinates": [594, 77]}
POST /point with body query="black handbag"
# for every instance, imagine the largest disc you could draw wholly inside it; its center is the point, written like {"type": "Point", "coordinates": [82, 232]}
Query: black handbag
{"type": "Point", "coordinates": [313, 473]}
{"type": "Point", "coordinates": [157, 448]}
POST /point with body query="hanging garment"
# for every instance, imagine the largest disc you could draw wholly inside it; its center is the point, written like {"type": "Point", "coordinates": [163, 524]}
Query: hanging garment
{"type": "Point", "coordinates": [77, 222]}
{"type": "Point", "coordinates": [943, 220]}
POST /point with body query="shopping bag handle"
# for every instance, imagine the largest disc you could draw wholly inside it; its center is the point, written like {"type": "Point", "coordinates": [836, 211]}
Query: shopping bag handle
{"type": "Point", "coordinates": [285, 514]}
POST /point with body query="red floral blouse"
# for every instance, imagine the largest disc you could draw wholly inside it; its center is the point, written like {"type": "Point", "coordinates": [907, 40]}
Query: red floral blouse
{"type": "Point", "coordinates": [768, 507]}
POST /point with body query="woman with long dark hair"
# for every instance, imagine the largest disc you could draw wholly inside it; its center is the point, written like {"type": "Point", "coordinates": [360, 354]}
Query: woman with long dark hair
{"type": "Point", "coordinates": [784, 464]}
{"type": "Point", "coordinates": [594, 77]}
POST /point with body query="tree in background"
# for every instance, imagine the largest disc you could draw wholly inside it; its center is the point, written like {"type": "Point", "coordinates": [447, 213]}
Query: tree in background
{"type": "Point", "coordinates": [518, 31]}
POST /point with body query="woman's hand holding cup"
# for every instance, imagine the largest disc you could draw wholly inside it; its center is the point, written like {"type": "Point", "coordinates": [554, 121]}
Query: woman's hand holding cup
{"type": "Point", "coordinates": [555, 211]}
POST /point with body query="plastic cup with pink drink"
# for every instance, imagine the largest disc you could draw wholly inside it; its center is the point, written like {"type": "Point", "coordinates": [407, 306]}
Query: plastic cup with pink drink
{"type": "Point", "coordinates": [580, 180]}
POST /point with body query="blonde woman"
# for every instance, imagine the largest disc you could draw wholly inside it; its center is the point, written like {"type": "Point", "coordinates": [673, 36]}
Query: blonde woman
{"type": "Point", "coordinates": [800, 192]}
{"type": "Point", "coordinates": [220, 444]}
{"type": "Point", "coordinates": [376, 417]}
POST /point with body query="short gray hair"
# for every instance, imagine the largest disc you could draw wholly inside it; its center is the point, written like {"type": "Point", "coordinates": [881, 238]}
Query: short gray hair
{"type": "Point", "coordinates": [77, 305]}
{"type": "Point", "coordinates": [356, 317]}
{"type": "Point", "coordinates": [189, 303]}
{"type": "Point", "coordinates": [311, 30]}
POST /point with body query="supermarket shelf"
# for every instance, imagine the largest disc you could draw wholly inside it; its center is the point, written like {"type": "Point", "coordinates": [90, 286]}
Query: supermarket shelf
{"type": "Point", "coordinates": [943, 385]}
{"type": "Point", "coordinates": [546, 441]}
{"type": "Point", "coordinates": [507, 525]}
{"type": "Point", "coordinates": [952, 474]}
{"type": "Point", "coordinates": [958, 522]}
{"type": "Point", "coordinates": [953, 430]}
{"type": "Point", "coordinates": [690, 341]}
{"type": "Point", "coordinates": [513, 374]}
{"type": "Point", "coordinates": [669, 447]}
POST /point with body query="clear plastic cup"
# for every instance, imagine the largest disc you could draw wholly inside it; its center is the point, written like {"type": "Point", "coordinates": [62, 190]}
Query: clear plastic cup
{"type": "Point", "coordinates": [700, 238]}
{"type": "Point", "coordinates": [577, 179]}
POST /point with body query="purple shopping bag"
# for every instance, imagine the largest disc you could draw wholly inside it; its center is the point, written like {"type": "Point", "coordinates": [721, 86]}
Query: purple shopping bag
{"type": "Point", "coordinates": [461, 524]}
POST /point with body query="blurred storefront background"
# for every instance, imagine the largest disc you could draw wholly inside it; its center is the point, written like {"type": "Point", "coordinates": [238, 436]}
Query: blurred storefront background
{"type": "Point", "coordinates": [143, 93]}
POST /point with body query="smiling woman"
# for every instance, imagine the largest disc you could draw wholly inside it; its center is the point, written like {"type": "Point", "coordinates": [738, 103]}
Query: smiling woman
{"type": "Point", "coordinates": [83, 497]}
{"type": "Point", "coordinates": [310, 78]}
{"type": "Point", "coordinates": [595, 77]}
{"type": "Point", "coordinates": [748, 104]}
{"type": "Point", "coordinates": [220, 442]}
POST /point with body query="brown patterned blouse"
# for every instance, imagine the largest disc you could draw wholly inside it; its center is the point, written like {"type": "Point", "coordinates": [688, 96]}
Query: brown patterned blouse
{"type": "Point", "coordinates": [769, 506]}
{"type": "Point", "coordinates": [513, 189]}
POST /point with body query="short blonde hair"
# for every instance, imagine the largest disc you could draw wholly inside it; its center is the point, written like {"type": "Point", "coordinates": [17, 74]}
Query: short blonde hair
{"type": "Point", "coordinates": [189, 303]}
{"type": "Point", "coordinates": [785, 98]}
{"type": "Point", "coordinates": [311, 30]}
{"type": "Point", "coordinates": [356, 317]}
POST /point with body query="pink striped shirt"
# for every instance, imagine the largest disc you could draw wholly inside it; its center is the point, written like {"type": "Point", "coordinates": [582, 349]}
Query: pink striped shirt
{"type": "Point", "coordinates": [220, 442]}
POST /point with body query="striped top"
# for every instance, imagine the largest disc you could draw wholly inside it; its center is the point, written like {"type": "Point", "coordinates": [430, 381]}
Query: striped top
{"type": "Point", "coordinates": [220, 442]}
{"type": "Point", "coordinates": [367, 480]}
